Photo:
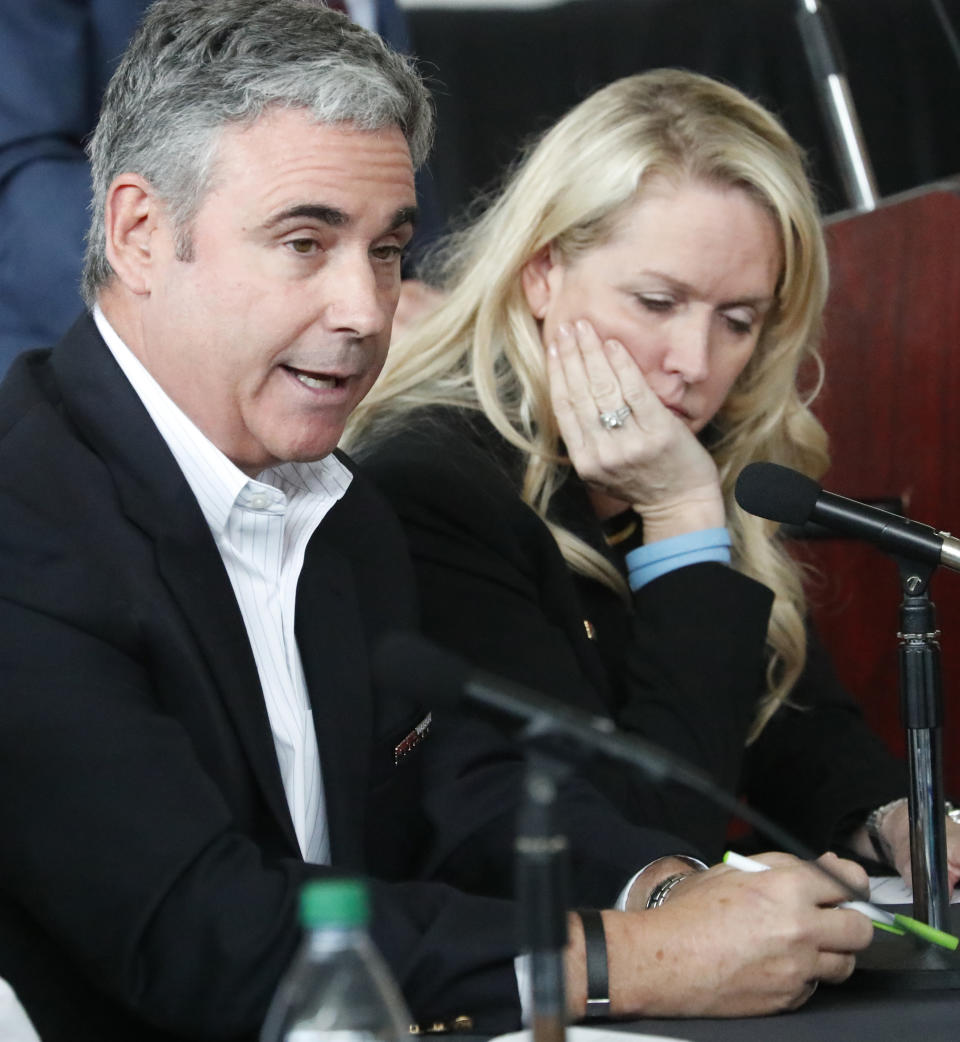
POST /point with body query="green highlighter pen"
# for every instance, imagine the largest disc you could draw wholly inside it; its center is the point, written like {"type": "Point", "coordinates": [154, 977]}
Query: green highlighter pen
{"type": "Point", "coordinates": [892, 922]}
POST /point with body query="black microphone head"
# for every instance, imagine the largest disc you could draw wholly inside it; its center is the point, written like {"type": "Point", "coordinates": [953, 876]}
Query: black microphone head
{"type": "Point", "coordinates": [777, 493]}
{"type": "Point", "coordinates": [411, 665]}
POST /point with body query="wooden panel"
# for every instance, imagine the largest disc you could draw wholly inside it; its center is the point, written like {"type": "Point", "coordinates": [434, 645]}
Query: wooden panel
{"type": "Point", "coordinates": [891, 404]}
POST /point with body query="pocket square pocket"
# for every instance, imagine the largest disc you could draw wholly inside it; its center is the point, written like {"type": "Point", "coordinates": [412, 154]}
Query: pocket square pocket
{"type": "Point", "coordinates": [412, 740]}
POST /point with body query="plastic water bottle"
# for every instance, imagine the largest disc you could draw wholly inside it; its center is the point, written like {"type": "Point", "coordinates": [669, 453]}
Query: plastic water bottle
{"type": "Point", "coordinates": [338, 988]}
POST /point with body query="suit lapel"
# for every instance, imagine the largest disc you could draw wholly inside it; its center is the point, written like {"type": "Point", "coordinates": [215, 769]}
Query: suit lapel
{"type": "Point", "coordinates": [199, 585]}
{"type": "Point", "coordinates": [333, 651]}
{"type": "Point", "coordinates": [156, 497]}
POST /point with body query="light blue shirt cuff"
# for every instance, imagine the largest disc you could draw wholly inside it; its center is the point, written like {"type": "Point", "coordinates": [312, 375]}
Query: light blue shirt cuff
{"type": "Point", "coordinates": [649, 562]}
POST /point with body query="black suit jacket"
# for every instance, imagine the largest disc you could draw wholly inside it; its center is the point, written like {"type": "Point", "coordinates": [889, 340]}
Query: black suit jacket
{"type": "Point", "coordinates": [682, 664]}
{"type": "Point", "coordinates": [148, 868]}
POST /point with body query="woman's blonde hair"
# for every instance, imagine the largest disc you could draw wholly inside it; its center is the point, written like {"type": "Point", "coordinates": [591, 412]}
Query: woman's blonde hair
{"type": "Point", "coordinates": [481, 348]}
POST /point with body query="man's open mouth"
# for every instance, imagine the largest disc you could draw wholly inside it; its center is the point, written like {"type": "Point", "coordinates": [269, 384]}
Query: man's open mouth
{"type": "Point", "coordinates": [316, 381]}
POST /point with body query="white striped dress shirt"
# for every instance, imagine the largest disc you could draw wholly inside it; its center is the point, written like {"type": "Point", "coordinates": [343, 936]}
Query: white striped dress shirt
{"type": "Point", "coordinates": [261, 527]}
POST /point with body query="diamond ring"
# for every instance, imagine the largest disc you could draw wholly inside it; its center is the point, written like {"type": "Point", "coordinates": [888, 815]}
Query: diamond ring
{"type": "Point", "coordinates": [612, 420]}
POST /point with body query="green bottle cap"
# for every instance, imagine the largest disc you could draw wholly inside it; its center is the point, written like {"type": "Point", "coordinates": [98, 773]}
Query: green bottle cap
{"type": "Point", "coordinates": [334, 902]}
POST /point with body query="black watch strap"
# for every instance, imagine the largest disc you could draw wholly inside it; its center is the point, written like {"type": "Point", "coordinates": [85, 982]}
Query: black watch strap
{"type": "Point", "coordinates": [598, 983]}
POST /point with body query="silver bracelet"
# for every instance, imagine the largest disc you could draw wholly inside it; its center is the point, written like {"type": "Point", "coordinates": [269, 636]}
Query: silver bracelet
{"type": "Point", "coordinates": [696, 865]}
{"type": "Point", "coordinates": [875, 821]}
{"type": "Point", "coordinates": [659, 893]}
{"type": "Point", "coordinates": [873, 825]}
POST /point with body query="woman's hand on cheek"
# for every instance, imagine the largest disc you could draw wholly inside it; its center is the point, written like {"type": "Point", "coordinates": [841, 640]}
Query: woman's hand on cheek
{"type": "Point", "coordinates": [651, 461]}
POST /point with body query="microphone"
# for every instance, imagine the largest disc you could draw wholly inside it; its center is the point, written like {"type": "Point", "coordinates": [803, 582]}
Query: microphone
{"type": "Point", "coordinates": [781, 494]}
{"type": "Point", "coordinates": [414, 666]}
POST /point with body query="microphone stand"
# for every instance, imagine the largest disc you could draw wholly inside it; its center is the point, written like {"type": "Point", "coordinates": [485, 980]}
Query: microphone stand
{"type": "Point", "coordinates": [948, 30]}
{"type": "Point", "coordinates": [921, 708]}
{"type": "Point", "coordinates": [917, 550]}
{"type": "Point", "coordinates": [896, 966]}
{"type": "Point", "coordinates": [826, 64]}
{"type": "Point", "coordinates": [542, 889]}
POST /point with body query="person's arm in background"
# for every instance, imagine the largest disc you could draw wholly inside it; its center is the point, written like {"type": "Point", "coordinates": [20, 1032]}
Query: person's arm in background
{"type": "Point", "coordinates": [55, 59]}
{"type": "Point", "coordinates": [416, 296]}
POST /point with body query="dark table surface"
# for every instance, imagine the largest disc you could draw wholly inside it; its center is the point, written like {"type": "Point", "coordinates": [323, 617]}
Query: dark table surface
{"type": "Point", "coordinates": [832, 1013]}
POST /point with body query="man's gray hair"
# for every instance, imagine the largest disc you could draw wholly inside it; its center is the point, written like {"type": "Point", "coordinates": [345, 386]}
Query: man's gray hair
{"type": "Point", "coordinates": [196, 66]}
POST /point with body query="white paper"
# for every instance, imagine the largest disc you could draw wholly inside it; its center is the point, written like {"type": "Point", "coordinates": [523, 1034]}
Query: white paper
{"type": "Point", "coordinates": [584, 1034]}
{"type": "Point", "coordinates": [892, 890]}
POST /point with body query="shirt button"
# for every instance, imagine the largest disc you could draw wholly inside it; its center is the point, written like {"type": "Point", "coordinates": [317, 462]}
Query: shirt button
{"type": "Point", "coordinates": [259, 502]}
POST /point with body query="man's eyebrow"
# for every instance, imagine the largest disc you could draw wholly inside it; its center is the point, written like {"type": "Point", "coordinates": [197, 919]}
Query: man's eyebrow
{"type": "Point", "coordinates": [405, 215]}
{"type": "Point", "coordinates": [337, 218]}
{"type": "Point", "coordinates": [315, 211]}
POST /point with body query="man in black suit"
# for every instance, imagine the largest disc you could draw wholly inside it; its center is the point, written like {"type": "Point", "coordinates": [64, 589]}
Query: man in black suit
{"type": "Point", "coordinates": [192, 580]}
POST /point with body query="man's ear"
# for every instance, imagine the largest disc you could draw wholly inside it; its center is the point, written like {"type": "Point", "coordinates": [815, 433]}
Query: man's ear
{"type": "Point", "coordinates": [131, 217]}
{"type": "Point", "coordinates": [536, 277]}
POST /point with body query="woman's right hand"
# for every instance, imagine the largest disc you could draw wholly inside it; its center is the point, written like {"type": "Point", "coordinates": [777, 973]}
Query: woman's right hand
{"type": "Point", "coordinates": [652, 462]}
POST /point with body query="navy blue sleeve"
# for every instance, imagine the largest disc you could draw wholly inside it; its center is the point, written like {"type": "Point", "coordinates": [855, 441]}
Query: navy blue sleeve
{"type": "Point", "coordinates": [55, 59]}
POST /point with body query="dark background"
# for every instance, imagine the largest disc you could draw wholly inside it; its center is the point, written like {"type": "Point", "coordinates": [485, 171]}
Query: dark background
{"type": "Point", "coordinates": [501, 75]}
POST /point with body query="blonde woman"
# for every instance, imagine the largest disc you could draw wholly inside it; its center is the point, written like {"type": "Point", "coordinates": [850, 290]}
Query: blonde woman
{"type": "Point", "coordinates": [624, 329]}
